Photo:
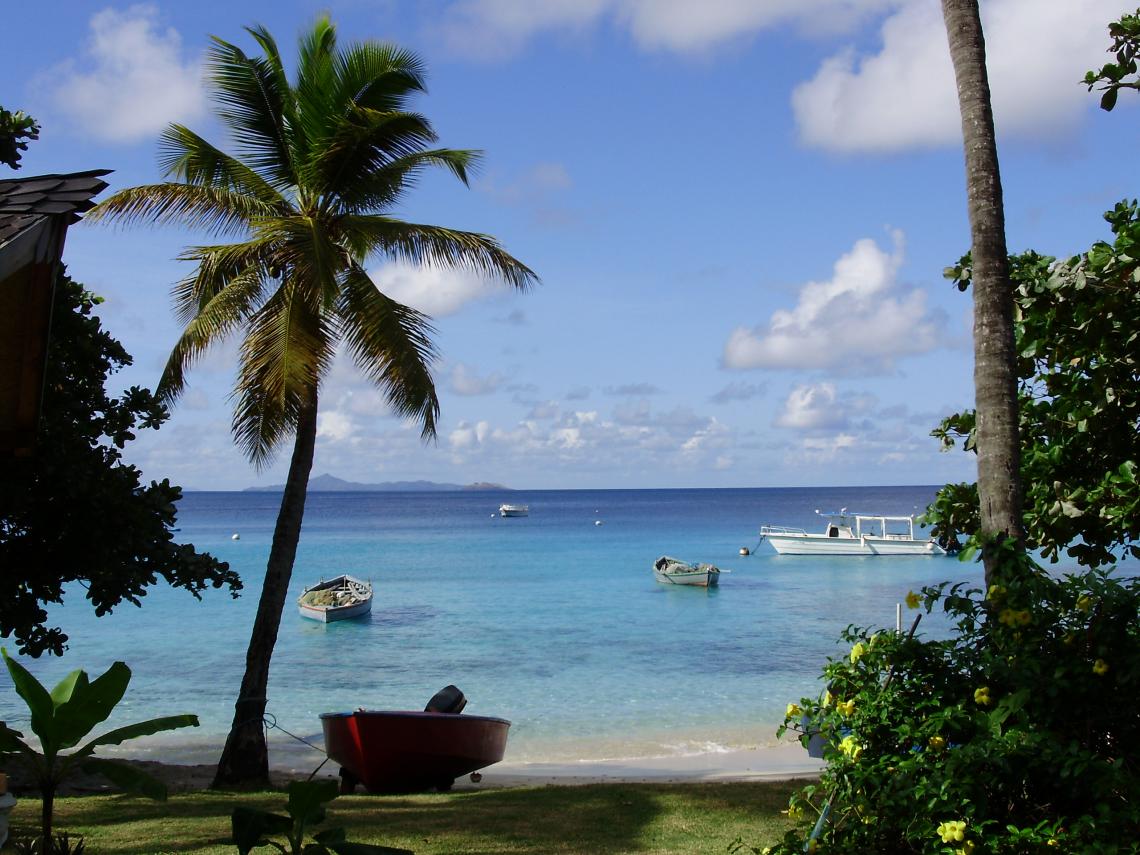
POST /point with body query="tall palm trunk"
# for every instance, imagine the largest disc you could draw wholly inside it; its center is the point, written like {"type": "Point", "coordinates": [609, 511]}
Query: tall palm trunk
{"type": "Point", "coordinates": [995, 366]}
{"type": "Point", "coordinates": [245, 759]}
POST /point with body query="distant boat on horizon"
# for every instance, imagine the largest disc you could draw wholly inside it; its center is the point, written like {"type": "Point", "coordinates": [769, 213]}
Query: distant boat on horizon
{"type": "Point", "coordinates": [514, 510]}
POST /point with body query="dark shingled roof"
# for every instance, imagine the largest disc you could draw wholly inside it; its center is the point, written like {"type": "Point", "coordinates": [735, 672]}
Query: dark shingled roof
{"type": "Point", "coordinates": [23, 201]}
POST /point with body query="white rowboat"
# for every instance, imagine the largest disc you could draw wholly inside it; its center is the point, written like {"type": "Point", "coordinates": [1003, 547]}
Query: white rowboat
{"type": "Point", "coordinates": [336, 599]}
{"type": "Point", "coordinates": [514, 510]}
{"type": "Point", "coordinates": [673, 571]}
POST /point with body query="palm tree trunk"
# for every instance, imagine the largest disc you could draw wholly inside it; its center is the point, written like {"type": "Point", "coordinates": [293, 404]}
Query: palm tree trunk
{"type": "Point", "coordinates": [245, 759]}
{"type": "Point", "coordinates": [995, 362]}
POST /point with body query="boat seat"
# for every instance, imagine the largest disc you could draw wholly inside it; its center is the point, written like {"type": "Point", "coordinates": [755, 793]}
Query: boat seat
{"type": "Point", "coordinates": [447, 700]}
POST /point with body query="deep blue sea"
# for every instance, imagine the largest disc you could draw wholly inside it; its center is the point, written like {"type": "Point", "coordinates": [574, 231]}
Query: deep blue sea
{"type": "Point", "coordinates": [551, 620]}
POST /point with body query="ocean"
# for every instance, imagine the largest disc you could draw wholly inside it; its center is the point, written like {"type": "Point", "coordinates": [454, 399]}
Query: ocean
{"type": "Point", "coordinates": [553, 621]}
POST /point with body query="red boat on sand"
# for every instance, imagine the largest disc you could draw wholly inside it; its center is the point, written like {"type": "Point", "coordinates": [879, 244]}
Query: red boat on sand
{"type": "Point", "coordinates": [396, 751]}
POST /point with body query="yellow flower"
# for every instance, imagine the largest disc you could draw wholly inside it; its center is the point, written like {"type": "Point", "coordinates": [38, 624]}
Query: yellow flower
{"type": "Point", "coordinates": [846, 707]}
{"type": "Point", "coordinates": [937, 742]}
{"type": "Point", "coordinates": [952, 831]}
{"type": "Point", "coordinates": [1023, 618]}
{"type": "Point", "coordinates": [826, 702]}
{"type": "Point", "coordinates": [967, 848]}
{"type": "Point", "coordinates": [795, 812]}
{"type": "Point", "coordinates": [857, 652]}
{"type": "Point", "coordinates": [850, 747]}
{"type": "Point", "coordinates": [912, 600]}
{"type": "Point", "coordinates": [1100, 667]}
{"type": "Point", "coordinates": [793, 711]}
{"type": "Point", "coordinates": [995, 593]}
{"type": "Point", "coordinates": [1007, 616]}
{"type": "Point", "coordinates": [1084, 603]}
{"type": "Point", "coordinates": [982, 696]}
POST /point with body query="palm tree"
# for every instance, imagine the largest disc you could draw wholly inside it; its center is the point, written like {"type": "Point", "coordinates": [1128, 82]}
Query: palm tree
{"type": "Point", "coordinates": [321, 162]}
{"type": "Point", "coordinates": [995, 365]}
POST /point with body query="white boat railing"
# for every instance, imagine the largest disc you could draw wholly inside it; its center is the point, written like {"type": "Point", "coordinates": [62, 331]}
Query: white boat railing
{"type": "Point", "coordinates": [766, 530]}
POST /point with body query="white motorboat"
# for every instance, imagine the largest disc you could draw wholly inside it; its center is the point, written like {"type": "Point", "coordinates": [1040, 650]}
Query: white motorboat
{"type": "Point", "coordinates": [336, 599]}
{"type": "Point", "coordinates": [514, 510]}
{"type": "Point", "coordinates": [673, 571]}
{"type": "Point", "coordinates": [852, 534]}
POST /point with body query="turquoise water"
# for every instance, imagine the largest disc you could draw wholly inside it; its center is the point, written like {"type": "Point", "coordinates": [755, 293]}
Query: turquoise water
{"type": "Point", "coordinates": [550, 621]}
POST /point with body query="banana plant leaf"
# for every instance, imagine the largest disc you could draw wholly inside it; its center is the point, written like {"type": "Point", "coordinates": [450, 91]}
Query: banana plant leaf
{"type": "Point", "coordinates": [81, 704]}
{"type": "Point", "coordinates": [36, 697]}
{"type": "Point", "coordinates": [133, 731]}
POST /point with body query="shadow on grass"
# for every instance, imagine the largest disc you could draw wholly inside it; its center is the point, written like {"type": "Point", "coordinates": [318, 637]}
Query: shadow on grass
{"type": "Point", "coordinates": [559, 820]}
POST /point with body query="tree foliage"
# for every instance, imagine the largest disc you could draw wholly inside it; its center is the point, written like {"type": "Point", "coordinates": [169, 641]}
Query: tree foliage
{"type": "Point", "coordinates": [1122, 72]}
{"type": "Point", "coordinates": [74, 512]}
{"type": "Point", "coordinates": [1077, 327]}
{"type": "Point", "coordinates": [15, 130]}
{"type": "Point", "coordinates": [1018, 734]}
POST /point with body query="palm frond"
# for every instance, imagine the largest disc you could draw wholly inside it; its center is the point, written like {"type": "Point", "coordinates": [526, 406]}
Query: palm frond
{"type": "Point", "coordinates": [215, 321]}
{"type": "Point", "coordinates": [287, 351]}
{"type": "Point", "coordinates": [377, 76]}
{"type": "Point", "coordinates": [392, 345]}
{"type": "Point", "coordinates": [215, 268]}
{"type": "Point", "coordinates": [213, 209]}
{"type": "Point", "coordinates": [362, 145]}
{"type": "Point", "coordinates": [316, 82]}
{"type": "Point", "coordinates": [437, 247]}
{"type": "Point", "coordinates": [184, 155]}
{"type": "Point", "coordinates": [255, 107]}
{"type": "Point", "coordinates": [381, 189]}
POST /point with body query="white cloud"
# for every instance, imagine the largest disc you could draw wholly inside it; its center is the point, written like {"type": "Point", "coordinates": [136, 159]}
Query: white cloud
{"type": "Point", "coordinates": [492, 28]}
{"type": "Point", "coordinates": [433, 290]}
{"type": "Point", "coordinates": [904, 96]}
{"type": "Point", "coordinates": [859, 320]}
{"type": "Point", "coordinates": [334, 425]}
{"type": "Point", "coordinates": [465, 380]}
{"type": "Point", "coordinates": [811, 408]}
{"type": "Point", "coordinates": [132, 79]}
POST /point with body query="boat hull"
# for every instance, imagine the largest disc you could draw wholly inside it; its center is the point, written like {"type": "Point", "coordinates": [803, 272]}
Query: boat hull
{"type": "Point", "coordinates": [514, 510]}
{"type": "Point", "coordinates": [817, 544]}
{"type": "Point", "coordinates": [400, 752]}
{"type": "Point", "coordinates": [700, 579]}
{"type": "Point", "coordinates": [328, 614]}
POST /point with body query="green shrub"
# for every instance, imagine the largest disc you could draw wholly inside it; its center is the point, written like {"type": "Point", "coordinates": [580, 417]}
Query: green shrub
{"type": "Point", "coordinates": [1018, 734]}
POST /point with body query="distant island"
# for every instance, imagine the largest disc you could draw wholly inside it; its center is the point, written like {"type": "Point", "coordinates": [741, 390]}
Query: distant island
{"type": "Point", "coordinates": [331, 484]}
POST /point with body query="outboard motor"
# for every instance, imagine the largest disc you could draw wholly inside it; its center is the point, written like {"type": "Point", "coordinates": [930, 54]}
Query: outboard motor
{"type": "Point", "coordinates": [447, 700]}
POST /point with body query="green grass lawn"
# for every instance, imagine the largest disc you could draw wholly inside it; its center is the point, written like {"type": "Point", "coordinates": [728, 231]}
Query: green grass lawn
{"type": "Point", "coordinates": [599, 818]}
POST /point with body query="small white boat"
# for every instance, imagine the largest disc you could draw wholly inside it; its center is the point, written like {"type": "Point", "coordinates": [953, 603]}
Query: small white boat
{"type": "Point", "coordinates": [514, 510]}
{"type": "Point", "coordinates": [673, 571]}
{"type": "Point", "coordinates": [336, 599]}
{"type": "Point", "coordinates": [852, 534]}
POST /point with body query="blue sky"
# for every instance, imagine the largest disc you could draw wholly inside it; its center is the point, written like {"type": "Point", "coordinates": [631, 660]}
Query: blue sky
{"type": "Point", "coordinates": [740, 213]}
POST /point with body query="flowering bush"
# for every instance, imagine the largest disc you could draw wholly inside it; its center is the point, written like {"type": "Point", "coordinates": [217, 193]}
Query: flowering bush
{"type": "Point", "coordinates": [1019, 734]}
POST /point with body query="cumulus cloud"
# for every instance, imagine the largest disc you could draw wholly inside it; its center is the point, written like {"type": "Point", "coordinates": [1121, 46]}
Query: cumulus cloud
{"type": "Point", "coordinates": [811, 408]}
{"type": "Point", "coordinates": [132, 78]}
{"type": "Point", "coordinates": [861, 318]}
{"type": "Point", "coordinates": [433, 290]}
{"type": "Point", "coordinates": [578, 393]}
{"type": "Point", "coordinates": [497, 27]}
{"type": "Point", "coordinates": [465, 380]}
{"type": "Point", "coordinates": [904, 96]}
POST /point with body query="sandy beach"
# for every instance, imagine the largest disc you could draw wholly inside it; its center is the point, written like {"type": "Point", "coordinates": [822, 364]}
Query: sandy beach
{"type": "Point", "coordinates": [774, 763]}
